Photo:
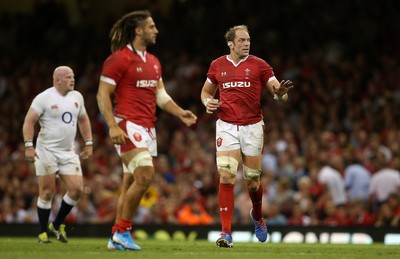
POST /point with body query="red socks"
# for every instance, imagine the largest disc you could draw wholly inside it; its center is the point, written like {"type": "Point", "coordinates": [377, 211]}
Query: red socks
{"type": "Point", "coordinates": [124, 225]}
{"type": "Point", "coordinates": [114, 228]}
{"type": "Point", "coordinates": [226, 205]}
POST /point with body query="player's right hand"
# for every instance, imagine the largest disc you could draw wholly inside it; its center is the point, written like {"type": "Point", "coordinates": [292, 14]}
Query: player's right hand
{"type": "Point", "coordinates": [117, 135]}
{"type": "Point", "coordinates": [212, 105]}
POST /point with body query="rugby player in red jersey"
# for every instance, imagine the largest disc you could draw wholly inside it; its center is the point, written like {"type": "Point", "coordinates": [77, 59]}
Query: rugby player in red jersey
{"type": "Point", "coordinates": [240, 79]}
{"type": "Point", "coordinates": [134, 77]}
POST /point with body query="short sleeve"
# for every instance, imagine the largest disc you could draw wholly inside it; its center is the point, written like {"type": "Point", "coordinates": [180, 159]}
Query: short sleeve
{"type": "Point", "coordinates": [114, 67]}
{"type": "Point", "coordinates": [211, 74]}
{"type": "Point", "coordinates": [38, 103]}
{"type": "Point", "coordinates": [82, 108]}
{"type": "Point", "coordinates": [266, 71]}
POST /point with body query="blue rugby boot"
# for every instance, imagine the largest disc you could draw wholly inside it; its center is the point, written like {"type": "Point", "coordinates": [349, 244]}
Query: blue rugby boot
{"type": "Point", "coordinates": [111, 245]}
{"type": "Point", "coordinates": [260, 228]}
{"type": "Point", "coordinates": [224, 240]}
{"type": "Point", "coordinates": [125, 240]}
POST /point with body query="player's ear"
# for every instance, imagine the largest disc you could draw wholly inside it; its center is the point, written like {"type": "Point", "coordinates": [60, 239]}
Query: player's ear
{"type": "Point", "coordinates": [138, 31]}
{"type": "Point", "coordinates": [230, 44]}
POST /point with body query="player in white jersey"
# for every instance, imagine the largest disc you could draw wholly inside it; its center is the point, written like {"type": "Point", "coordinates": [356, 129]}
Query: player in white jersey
{"type": "Point", "coordinates": [240, 78]}
{"type": "Point", "coordinates": [59, 110]}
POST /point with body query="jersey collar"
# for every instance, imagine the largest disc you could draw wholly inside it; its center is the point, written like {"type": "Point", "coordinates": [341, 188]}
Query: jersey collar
{"type": "Point", "coordinates": [240, 61]}
{"type": "Point", "coordinates": [141, 54]}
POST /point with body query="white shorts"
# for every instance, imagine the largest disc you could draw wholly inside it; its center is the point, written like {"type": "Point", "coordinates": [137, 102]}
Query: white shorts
{"type": "Point", "coordinates": [49, 162]}
{"type": "Point", "coordinates": [139, 137]}
{"type": "Point", "coordinates": [248, 138]}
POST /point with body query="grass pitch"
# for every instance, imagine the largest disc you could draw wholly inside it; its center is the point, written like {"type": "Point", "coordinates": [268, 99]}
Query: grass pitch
{"type": "Point", "coordinates": [88, 248]}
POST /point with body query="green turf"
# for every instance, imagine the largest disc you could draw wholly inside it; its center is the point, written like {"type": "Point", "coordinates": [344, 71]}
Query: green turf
{"type": "Point", "coordinates": [87, 248]}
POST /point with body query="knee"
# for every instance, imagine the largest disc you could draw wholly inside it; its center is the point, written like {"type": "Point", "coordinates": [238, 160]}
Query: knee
{"type": "Point", "coordinates": [144, 177]}
{"type": "Point", "coordinates": [252, 188]}
{"type": "Point", "coordinates": [251, 174]}
{"type": "Point", "coordinates": [225, 177]}
{"type": "Point", "coordinates": [227, 169]}
{"type": "Point", "coordinates": [75, 192]}
{"type": "Point", "coordinates": [46, 194]}
{"type": "Point", "coordinates": [141, 159]}
{"type": "Point", "coordinates": [227, 164]}
{"type": "Point", "coordinates": [253, 185]}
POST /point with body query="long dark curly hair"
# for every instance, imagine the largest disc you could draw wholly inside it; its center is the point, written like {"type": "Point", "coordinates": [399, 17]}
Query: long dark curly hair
{"type": "Point", "coordinates": [123, 31]}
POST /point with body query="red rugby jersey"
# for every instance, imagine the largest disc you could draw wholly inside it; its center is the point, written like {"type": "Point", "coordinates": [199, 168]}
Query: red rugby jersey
{"type": "Point", "coordinates": [136, 80]}
{"type": "Point", "coordinates": [240, 87]}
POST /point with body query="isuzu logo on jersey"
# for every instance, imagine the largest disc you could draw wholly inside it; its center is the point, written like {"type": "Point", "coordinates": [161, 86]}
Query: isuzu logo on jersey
{"type": "Point", "coordinates": [146, 83]}
{"type": "Point", "coordinates": [235, 84]}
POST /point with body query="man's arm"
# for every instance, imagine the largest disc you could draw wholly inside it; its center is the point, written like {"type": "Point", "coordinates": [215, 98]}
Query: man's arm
{"type": "Point", "coordinates": [207, 97]}
{"type": "Point", "coordinates": [84, 127]}
{"type": "Point", "coordinates": [165, 102]}
{"type": "Point", "coordinates": [86, 132]}
{"type": "Point", "coordinates": [28, 130]}
{"type": "Point", "coordinates": [104, 94]}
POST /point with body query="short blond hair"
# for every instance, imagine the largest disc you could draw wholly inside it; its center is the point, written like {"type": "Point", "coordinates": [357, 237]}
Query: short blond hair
{"type": "Point", "coordinates": [231, 33]}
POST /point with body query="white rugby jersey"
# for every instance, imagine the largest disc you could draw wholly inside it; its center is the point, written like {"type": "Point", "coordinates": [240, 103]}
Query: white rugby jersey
{"type": "Point", "coordinates": [58, 118]}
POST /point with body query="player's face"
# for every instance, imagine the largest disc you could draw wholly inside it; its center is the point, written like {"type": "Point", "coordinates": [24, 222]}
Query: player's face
{"type": "Point", "coordinates": [241, 46]}
{"type": "Point", "coordinates": [149, 32]}
{"type": "Point", "coordinates": [67, 81]}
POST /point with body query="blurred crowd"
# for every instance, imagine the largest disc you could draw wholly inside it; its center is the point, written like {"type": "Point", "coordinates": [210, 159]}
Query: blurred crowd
{"type": "Point", "coordinates": [331, 154]}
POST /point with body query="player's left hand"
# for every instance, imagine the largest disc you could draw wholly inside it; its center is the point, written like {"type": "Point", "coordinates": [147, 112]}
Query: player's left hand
{"type": "Point", "coordinates": [87, 152]}
{"type": "Point", "coordinates": [285, 86]}
{"type": "Point", "coordinates": [188, 118]}
{"type": "Point", "coordinates": [30, 154]}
